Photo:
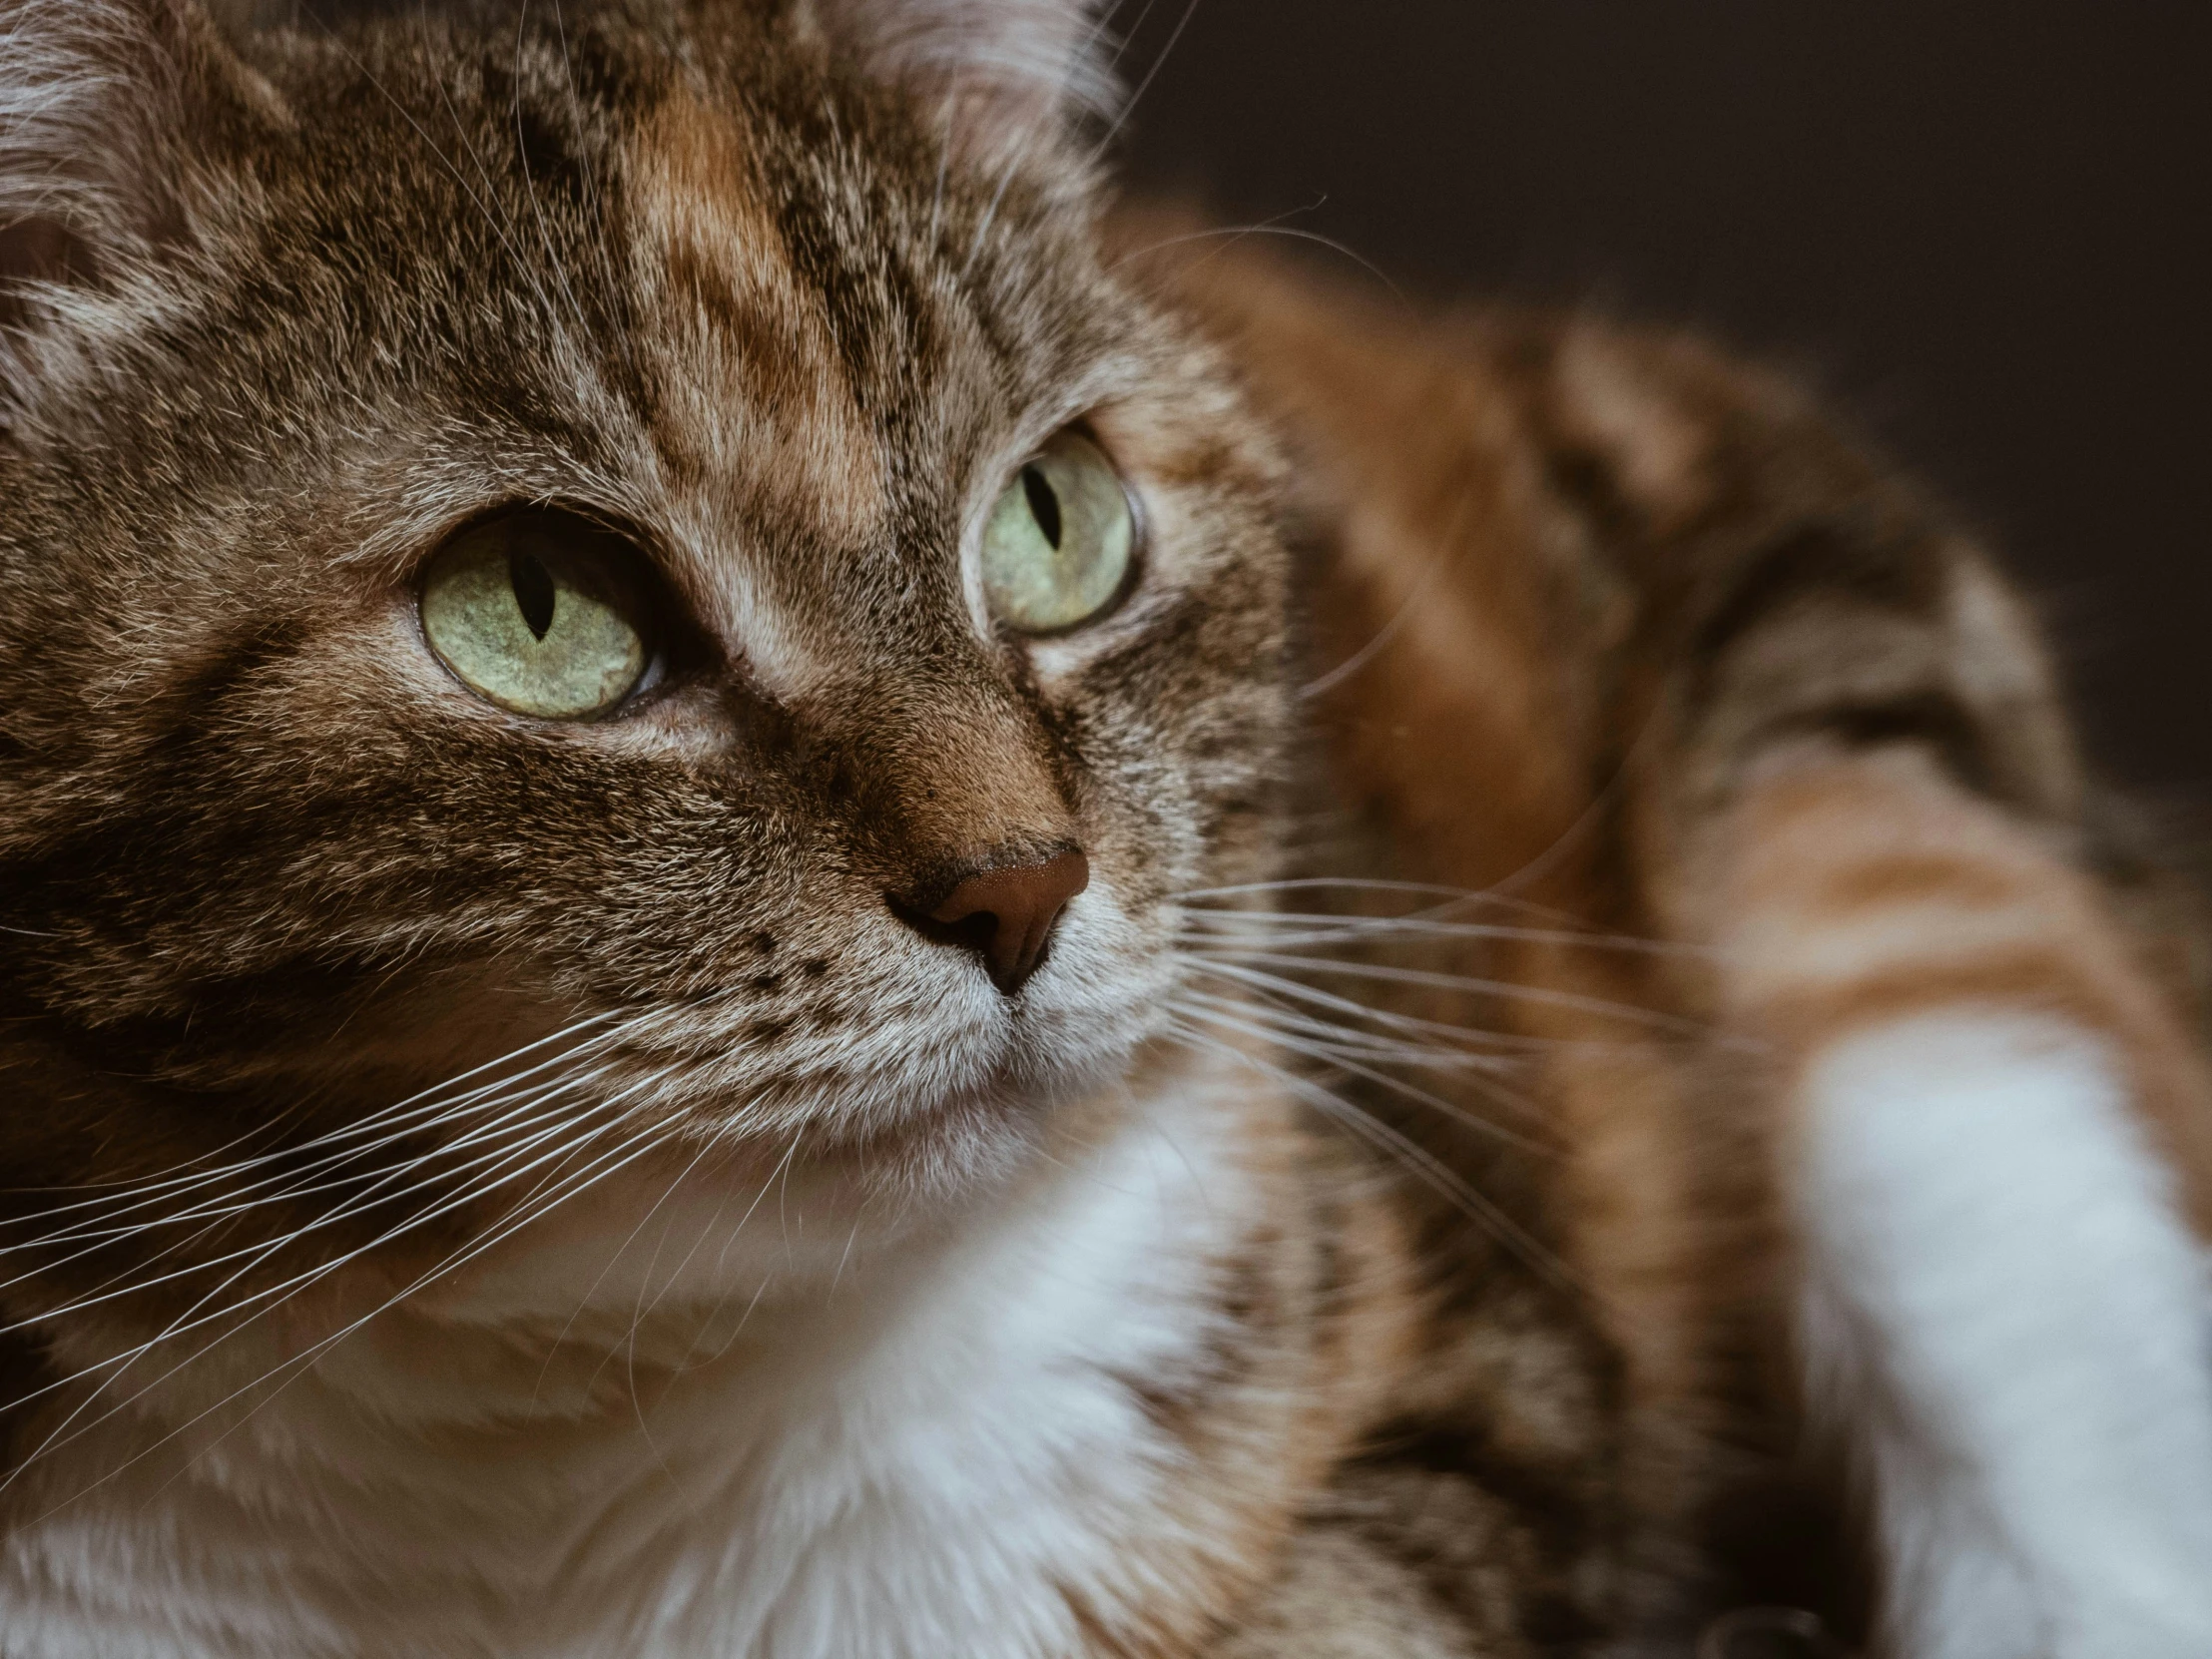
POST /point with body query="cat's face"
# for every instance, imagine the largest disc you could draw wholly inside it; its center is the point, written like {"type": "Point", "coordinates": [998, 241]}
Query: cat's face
{"type": "Point", "coordinates": [327, 777]}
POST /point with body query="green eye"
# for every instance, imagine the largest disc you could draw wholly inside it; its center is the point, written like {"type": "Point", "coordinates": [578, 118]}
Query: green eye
{"type": "Point", "coordinates": [539, 612]}
{"type": "Point", "coordinates": [1058, 545]}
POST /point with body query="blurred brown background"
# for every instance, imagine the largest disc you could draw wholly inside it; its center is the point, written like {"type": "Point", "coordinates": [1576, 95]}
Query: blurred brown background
{"type": "Point", "coordinates": [1977, 225]}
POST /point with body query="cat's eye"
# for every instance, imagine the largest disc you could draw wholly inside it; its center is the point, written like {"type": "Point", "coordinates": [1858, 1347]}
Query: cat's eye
{"type": "Point", "coordinates": [1060, 542]}
{"type": "Point", "coordinates": [540, 612]}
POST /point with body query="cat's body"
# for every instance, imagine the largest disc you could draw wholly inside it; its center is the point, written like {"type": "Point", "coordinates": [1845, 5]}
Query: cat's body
{"type": "Point", "coordinates": [488, 1184]}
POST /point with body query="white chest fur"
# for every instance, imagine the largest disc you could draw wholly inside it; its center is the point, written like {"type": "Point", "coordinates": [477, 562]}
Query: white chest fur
{"type": "Point", "coordinates": [920, 1455]}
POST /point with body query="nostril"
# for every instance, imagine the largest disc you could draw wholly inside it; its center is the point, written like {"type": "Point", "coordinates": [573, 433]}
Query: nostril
{"type": "Point", "coordinates": [1004, 912]}
{"type": "Point", "coordinates": [973, 933]}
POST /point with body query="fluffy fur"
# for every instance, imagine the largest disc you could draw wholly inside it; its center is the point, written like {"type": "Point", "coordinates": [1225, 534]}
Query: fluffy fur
{"type": "Point", "coordinates": [1996, 1251]}
{"type": "Point", "coordinates": [877, 1456]}
{"type": "Point", "coordinates": [495, 1186]}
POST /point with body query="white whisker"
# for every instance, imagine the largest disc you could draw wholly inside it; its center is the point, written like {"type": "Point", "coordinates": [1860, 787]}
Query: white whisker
{"type": "Point", "coordinates": [1474, 986]}
{"type": "Point", "coordinates": [420, 1105]}
{"type": "Point", "coordinates": [360, 1202]}
{"type": "Point", "coordinates": [1450, 1109]}
{"type": "Point", "coordinates": [300, 1362]}
{"type": "Point", "coordinates": [1504, 1043]}
{"type": "Point", "coordinates": [273, 1295]}
{"type": "Point", "coordinates": [1416, 1158]}
{"type": "Point", "coordinates": [1129, 104]}
{"type": "Point", "coordinates": [1300, 928]}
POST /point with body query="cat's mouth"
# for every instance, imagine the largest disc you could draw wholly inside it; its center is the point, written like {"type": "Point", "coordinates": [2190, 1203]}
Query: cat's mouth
{"type": "Point", "coordinates": [477, 1100]}
{"type": "Point", "coordinates": [898, 1034]}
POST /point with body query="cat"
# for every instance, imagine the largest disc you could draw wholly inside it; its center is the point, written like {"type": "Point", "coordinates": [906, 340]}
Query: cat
{"type": "Point", "coordinates": [772, 886]}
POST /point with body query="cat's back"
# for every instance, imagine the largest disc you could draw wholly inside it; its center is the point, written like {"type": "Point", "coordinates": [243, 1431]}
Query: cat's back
{"type": "Point", "coordinates": [1671, 737]}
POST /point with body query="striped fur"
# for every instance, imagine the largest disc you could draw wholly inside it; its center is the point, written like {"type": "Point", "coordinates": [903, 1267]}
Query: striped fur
{"type": "Point", "coordinates": [1583, 863]}
{"type": "Point", "coordinates": [1624, 634]}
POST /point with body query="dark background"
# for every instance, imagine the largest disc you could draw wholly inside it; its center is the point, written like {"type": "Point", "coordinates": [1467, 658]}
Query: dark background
{"type": "Point", "coordinates": [1979, 227]}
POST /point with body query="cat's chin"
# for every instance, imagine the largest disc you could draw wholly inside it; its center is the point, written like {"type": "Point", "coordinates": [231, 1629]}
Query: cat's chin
{"type": "Point", "coordinates": [931, 1149]}
{"type": "Point", "coordinates": [692, 1227]}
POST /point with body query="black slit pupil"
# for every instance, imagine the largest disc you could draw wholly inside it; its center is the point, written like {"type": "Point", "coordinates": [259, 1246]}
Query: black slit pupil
{"type": "Point", "coordinates": [1044, 506]}
{"type": "Point", "coordinates": [533, 585]}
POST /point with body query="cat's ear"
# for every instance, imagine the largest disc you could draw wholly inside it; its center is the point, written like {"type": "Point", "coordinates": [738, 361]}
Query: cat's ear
{"type": "Point", "coordinates": [1017, 65]}
{"type": "Point", "coordinates": [100, 104]}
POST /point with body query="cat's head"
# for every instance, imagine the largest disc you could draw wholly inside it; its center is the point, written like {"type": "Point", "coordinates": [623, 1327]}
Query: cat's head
{"type": "Point", "coordinates": [659, 531]}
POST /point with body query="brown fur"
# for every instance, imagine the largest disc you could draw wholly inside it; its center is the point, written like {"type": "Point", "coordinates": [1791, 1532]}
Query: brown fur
{"type": "Point", "coordinates": [1636, 638]}
{"type": "Point", "coordinates": [1618, 640]}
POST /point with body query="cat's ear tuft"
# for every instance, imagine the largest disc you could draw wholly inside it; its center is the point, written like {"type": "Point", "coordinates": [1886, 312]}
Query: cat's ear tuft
{"type": "Point", "coordinates": [1026, 63]}
{"type": "Point", "coordinates": [98, 101]}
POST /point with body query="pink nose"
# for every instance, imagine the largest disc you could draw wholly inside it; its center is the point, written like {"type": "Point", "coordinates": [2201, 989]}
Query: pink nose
{"type": "Point", "coordinates": [1007, 914]}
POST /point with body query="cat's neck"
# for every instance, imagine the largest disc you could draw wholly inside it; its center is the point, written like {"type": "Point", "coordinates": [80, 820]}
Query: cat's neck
{"type": "Point", "coordinates": [945, 1444]}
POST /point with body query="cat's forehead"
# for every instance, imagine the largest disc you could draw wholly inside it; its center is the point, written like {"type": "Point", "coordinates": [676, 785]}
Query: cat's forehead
{"type": "Point", "coordinates": [775, 318]}
{"type": "Point", "coordinates": [753, 381]}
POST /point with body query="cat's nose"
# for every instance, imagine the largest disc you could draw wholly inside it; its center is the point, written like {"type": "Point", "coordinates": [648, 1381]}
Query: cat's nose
{"type": "Point", "coordinates": [1003, 913]}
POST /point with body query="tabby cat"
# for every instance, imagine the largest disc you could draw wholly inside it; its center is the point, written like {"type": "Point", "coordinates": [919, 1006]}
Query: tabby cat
{"type": "Point", "coordinates": [769, 887]}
